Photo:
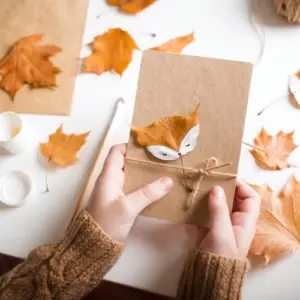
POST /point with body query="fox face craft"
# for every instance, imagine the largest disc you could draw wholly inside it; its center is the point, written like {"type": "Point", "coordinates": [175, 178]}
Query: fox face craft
{"type": "Point", "coordinates": [170, 137]}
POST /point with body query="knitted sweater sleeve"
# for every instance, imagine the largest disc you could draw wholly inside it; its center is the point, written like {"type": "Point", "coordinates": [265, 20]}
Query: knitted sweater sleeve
{"type": "Point", "coordinates": [65, 270]}
{"type": "Point", "coordinates": [207, 276]}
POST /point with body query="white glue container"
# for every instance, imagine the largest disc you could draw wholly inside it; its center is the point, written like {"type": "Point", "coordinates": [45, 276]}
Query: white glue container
{"type": "Point", "coordinates": [15, 188]}
{"type": "Point", "coordinates": [15, 137]}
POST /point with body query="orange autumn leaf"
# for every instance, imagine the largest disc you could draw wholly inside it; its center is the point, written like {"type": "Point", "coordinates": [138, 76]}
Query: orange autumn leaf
{"type": "Point", "coordinates": [111, 51]}
{"type": "Point", "coordinates": [176, 45]}
{"type": "Point", "coordinates": [131, 6]}
{"type": "Point", "coordinates": [275, 150]}
{"type": "Point", "coordinates": [278, 226]}
{"type": "Point", "coordinates": [168, 131]}
{"type": "Point", "coordinates": [62, 149]}
{"type": "Point", "coordinates": [28, 62]}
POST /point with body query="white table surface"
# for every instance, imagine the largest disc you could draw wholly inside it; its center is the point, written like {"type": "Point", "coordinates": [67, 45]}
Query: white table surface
{"type": "Point", "coordinates": [156, 249]}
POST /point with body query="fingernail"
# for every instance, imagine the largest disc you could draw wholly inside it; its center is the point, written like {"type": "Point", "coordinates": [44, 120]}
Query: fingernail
{"type": "Point", "coordinates": [167, 182]}
{"type": "Point", "coordinates": [217, 192]}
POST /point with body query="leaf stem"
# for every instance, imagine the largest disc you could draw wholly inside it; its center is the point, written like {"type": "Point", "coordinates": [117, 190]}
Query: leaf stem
{"type": "Point", "coordinates": [254, 147]}
{"type": "Point", "coordinates": [46, 177]}
{"type": "Point", "coordinates": [151, 34]}
{"type": "Point", "coordinates": [270, 104]}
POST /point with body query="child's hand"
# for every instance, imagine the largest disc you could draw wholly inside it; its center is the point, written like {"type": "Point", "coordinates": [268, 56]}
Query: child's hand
{"type": "Point", "coordinates": [114, 211]}
{"type": "Point", "coordinates": [231, 235]}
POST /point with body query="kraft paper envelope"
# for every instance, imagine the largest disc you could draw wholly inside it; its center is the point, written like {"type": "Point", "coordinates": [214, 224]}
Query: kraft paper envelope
{"type": "Point", "coordinates": [173, 85]}
{"type": "Point", "coordinates": [62, 23]}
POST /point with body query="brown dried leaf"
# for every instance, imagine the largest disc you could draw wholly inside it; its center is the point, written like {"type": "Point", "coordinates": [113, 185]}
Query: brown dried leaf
{"type": "Point", "coordinates": [62, 149]}
{"type": "Point", "coordinates": [275, 150]}
{"type": "Point", "coordinates": [131, 6]}
{"type": "Point", "coordinates": [168, 131]}
{"type": "Point", "coordinates": [176, 45]}
{"type": "Point", "coordinates": [111, 51]}
{"type": "Point", "coordinates": [28, 62]}
{"type": "Point", "coordinates": [277, 230]}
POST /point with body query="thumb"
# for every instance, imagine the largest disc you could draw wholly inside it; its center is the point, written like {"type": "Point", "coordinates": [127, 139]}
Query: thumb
{"type": "Point", "coordinates": [144, 196]}
{"type": "Point", "coordinates": [218, 209]}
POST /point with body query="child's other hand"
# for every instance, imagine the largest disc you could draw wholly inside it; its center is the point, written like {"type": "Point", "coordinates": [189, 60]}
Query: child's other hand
{"type": "Point", "coordinates": [231, 234]}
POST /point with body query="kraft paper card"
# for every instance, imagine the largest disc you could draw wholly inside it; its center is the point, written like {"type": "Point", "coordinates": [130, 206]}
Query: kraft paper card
{"type": "Point", "coordinates": [174, 85]}
{"type": "Point", "coordinates": [62, 23]}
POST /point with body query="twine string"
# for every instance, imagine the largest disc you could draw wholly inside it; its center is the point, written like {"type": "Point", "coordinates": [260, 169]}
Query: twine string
{"type": "Point", "coordinates": [184, 176]}
{"type": "Point", "coordinates": [197, 174]}
{"type": "Point", "coordinates": [193, 194]}
{"type": "Point", "coordinates": [259, 30]}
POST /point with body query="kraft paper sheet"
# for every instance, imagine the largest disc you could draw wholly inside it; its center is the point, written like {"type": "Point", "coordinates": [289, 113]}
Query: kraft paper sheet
{"type": "Point", "coordinates": [62, 23]}
{"type": "Point", "coordinates": [173, 85]}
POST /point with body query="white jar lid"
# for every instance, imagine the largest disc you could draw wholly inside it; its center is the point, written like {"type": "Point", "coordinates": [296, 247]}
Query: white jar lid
{"type": "Point", "coordinates": [15, 188]}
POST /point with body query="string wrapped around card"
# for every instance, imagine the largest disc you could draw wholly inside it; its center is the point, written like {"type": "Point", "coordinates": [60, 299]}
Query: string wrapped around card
{"type": "Point", "coordinates": [169, 139]}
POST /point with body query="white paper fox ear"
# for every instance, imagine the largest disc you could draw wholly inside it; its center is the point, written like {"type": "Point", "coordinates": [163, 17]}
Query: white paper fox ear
{"type": "Point", "coordinates": [189, 142]}
{"type": "Point", "coordinates": [294, 86]}
{"type": "Point", "coordinates": [170, 137]}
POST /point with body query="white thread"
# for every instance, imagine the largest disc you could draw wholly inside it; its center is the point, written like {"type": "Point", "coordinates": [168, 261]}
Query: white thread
{"type": "Point", "coordinates": [259, 30]}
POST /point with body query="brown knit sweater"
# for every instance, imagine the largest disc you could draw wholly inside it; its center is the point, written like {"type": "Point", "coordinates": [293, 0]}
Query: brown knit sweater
{"type": "Point", "coordinates": [73, 267]}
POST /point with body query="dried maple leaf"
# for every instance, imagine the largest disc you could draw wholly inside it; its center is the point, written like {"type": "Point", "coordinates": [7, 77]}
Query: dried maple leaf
{"type": "Point", "coordinates": [111, 51]}
{"type": "Point", "coordinates": [176, 45]}
{"type": "Point", "coordinates": [275, 150]}
{"type": "Point", "coordinates": [28, 62]}
{"type": "Point", "coordinates": [170, 137]}
{"type": "Point", "coordinates": [62, 149]}
{"type": "Point", "coordinates": [131, 6]}
{"type": "Point", "coordinates": [278, 226]}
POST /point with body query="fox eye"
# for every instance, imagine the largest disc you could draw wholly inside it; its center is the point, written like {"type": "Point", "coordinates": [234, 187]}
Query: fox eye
{"type": "Point", "coordinates": [188, 145]}
{"type": "Point", "coordinates": [164, 154]}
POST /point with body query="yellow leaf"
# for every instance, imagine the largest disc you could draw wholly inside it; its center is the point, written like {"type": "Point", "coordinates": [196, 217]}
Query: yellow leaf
{"type": "Point", "coordinates": [277, 230]}
{"type": "Point", "coordinates": [168, 131]}
{"type": "Point", "coordinates": [62, 149]}
{"type": "Point", "coordinates": [28, 62]}
{"type": "Point", "coordinates": [111, 51]}
{"type": "Point", "coordinates": [275, 150]}
{"type": "Point", "coordinates": [131, 6]}
{"type": "Point", "coordinates": [176, 45]}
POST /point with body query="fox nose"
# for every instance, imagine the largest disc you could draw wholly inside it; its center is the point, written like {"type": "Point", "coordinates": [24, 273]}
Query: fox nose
{"type": "Point", "coordinates": [179, 154]}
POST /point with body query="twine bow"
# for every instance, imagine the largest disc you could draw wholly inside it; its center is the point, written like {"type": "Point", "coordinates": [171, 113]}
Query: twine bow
{"type": "Point", "coordinates": [195, 174]}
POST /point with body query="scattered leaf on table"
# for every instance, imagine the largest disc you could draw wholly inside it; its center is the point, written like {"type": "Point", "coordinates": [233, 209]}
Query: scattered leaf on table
{"type": "Point", "coordinates": [294, 87]}
{"type": "Point", "coordinates": [131, 6]}
{"type": "Point", "coordinates": [111, 51]}
{"type": "Point", "coordinates": [62, 149]}
{"type": "Point", "coordinates": [278, 226]}
{"type": "Point", "coordinates": [176, 45]}
{"type": "Point", "coordinates": [28, 62]}
{"type": "Point", "coordinates": [275, 150]}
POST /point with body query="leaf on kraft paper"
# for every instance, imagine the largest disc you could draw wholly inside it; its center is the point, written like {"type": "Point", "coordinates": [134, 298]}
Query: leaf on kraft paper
{"type": "Point", "coordinates": [62, 149]}
{"type": "Point", "coordinates": [176, 45]}
{"type": "Point", "coordinates": [131, 6]}
{"type": "Point", "coordinates": [28, 62]}
{"type": "Point", "coordinates": [294, 88]}
{"type": "Point", "coordinates": [111, 51]}
{"type": "Point", "coordinates": [278, 226]}
{"type": "Point", "coordinates": [275, 150]}
{"type": "Point", "coordinates": [170, 137]}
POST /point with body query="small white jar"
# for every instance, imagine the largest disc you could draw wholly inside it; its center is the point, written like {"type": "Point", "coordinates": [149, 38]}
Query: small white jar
{"type": "Point", "coordinates": [15, 137]}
